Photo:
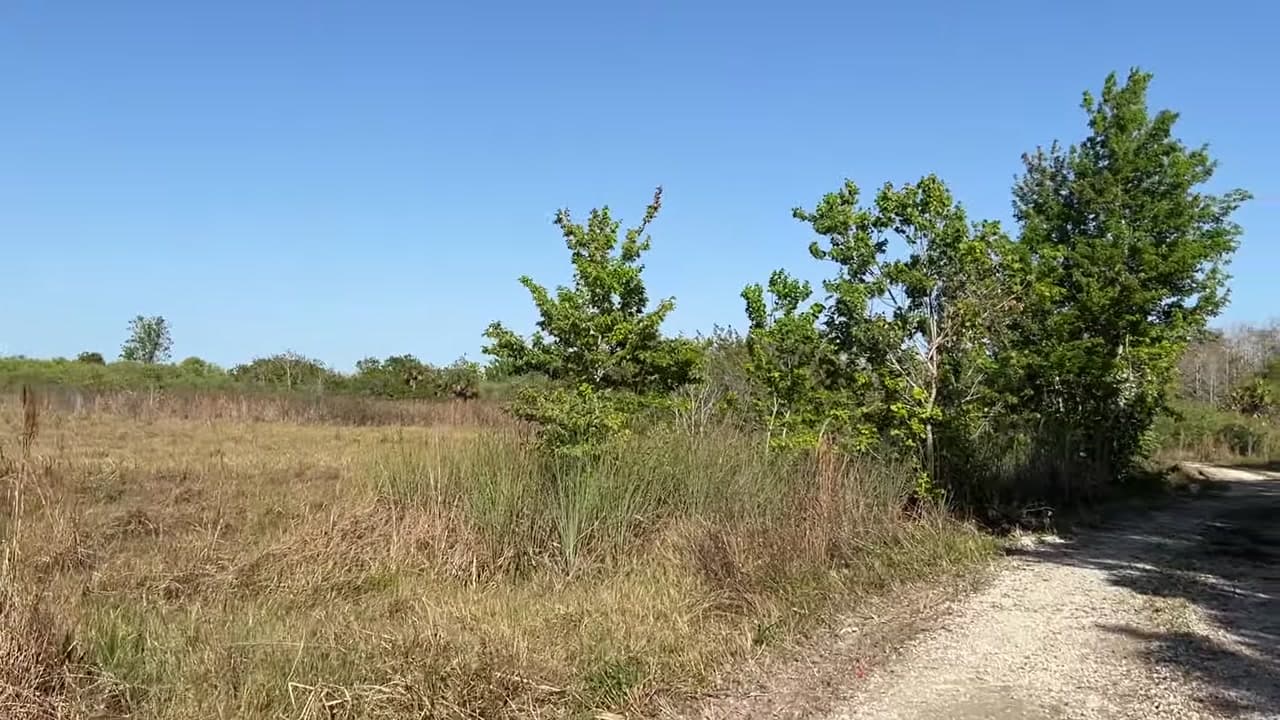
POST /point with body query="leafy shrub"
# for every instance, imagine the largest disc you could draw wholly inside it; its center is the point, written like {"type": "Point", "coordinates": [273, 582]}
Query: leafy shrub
{"type": "Point", "coordinates": [598, 342]}
{"type": "Point", "coordinates": [1254, 398]}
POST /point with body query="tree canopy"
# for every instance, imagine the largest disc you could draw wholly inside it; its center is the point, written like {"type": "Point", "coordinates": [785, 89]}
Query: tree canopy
{"type": "Point", "coordinates": [149, 340]}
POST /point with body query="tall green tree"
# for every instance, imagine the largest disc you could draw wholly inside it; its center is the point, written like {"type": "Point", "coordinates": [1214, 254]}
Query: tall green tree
{"type": "Point", "coordinates": [1127, 254]}
{"type": "Point", "coordinates": [149, 340]}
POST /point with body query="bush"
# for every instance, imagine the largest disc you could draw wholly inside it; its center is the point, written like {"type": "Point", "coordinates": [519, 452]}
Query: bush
{"type": "Point", "coordinates": [575, 420]}
{"type": "Point", "coordinates": [1200, 431]}
{"type": "Point", "coordinates": [120, 375]}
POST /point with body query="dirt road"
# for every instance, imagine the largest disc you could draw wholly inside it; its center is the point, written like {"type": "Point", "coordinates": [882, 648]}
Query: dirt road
{"type": "Point", "coordinates": [1172, 615]}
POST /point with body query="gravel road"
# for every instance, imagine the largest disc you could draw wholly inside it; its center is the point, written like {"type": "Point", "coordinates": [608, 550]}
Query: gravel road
{"type": "Point", "coordinates": [1171, 614]}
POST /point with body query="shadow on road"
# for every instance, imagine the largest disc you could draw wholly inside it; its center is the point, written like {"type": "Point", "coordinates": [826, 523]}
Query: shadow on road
{"type": "Point", "coordinates": [1263, 465]}
{"type": "Point", "coordinates": [1215, 558]}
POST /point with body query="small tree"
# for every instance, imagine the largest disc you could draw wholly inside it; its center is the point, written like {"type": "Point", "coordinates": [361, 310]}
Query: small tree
{"type": "Point", "coordinates": [149, 340]}
{"type": "Point", "coordinates": [1254, 398]}
{"type": "Point", "coordinates": [461, 379]}
{"type": "Point", "coordinates": [600, 335]}
{"type": "Point", "coordinates": [787, 357]}
{"type": "Point", "coordinates": [92, 358]}
{"type": "Point", "coordinates": [914, 334]}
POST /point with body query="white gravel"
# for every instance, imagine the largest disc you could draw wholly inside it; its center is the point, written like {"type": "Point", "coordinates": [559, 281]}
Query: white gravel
{"type": "Point", "coordinates": [1174, 614]}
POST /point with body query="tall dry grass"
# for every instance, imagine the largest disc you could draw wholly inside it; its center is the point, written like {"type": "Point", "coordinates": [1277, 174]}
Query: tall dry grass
{"type": "Point", "coordinates": [35, 666]}
{"type": "Point", "coordinates": [519, 510]}
{"type": "Point", "coordinates": [187, 569]}
{"type": "Point", "coordinates": [276, 407]}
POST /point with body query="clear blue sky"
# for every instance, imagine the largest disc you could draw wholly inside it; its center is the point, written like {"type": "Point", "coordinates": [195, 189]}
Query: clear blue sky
{"type": "Point", "coordinates": [365, 178]}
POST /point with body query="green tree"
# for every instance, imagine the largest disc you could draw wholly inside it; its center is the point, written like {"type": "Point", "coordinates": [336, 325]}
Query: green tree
{"type": "Point", "coordinates": [200, 367]}
{"type": "Point", "coordinates": [787, 358]}
{"type": "Point", "coordinates": [405, 376]}
{"type": "Point", "coordinates": [409, 376]}
{"type": "Point", "coordinates": [372, 378]}
{"type": "Point", "coordinates": [1254, 398]}
{"type": "Point", "coordinates": [917, 305]}
{"type": "Point", "coordinates": [461, 379]}
{"type": "Point", "coordinates": [92, 358]}
{"type": "Point", "coordinates": [149, 340]}
{"type": "Point", "coordinates": [599, 335]}
{"type": "Point", "coordinates": [601, 331]}
{"type": "Point", "coordinates": [287, 370]}
{"type": "Point", "coordinates": [1127, 266]}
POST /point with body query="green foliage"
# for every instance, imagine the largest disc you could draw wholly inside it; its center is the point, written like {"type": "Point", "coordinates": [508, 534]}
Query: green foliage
{"type": "Point", "coordinates": [286, 371]}
{"type": "Point", "coordinates": [1127, 257]}
{"type": "Point", "coordinates": [1259, 395]}
{"type": "Point", "coordinates": [461, 379]}
{"type": "Point", "coordinates": [902, 349]}
{"type": "Point", "coordinates": [509, 387]}
{"type": "Point", "coordinates": [1195, 429]}
{"type": "Point", "coordinates": [599, 334]}
{"type": "Point", "coordinates": [1247, 439]}
{"type": "Point", "coordinates": [918, 304]}
{"type": "Point", "coordinates": [575, 420]}
{"type": "Point", "coordinates": [149, 340]}
{"type": "Point", "coordinates": [787, 361]}
{"type": "Point", "coordinates": [943, 340]}
{"type": "Point", "coordinates": [200, 368]}
{"type": "Point", "coordinates": [601, 330]}
{"type": "Point", "coordinates": [15, 372]}
{"type": "Point", "coordinates": [399, 376]}
{"type": "Point", "coordinates": [94, 358]}
{"type": "Point", "coordinates": [1255, 398]}
{"type": "Point", "coordinates": [725, 359]}
{"type": "Point", "coordinates": [405, 376]}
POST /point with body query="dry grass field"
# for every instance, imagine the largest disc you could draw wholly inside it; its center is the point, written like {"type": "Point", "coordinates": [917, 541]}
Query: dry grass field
{"type": "Point", "coordinates": [210, 565]}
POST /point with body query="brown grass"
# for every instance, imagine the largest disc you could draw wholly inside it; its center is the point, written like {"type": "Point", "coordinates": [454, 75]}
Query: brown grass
{"type": "Point", "coordinates": [177, 568]}
{"type": "Point", "coordinates": [273, 407]}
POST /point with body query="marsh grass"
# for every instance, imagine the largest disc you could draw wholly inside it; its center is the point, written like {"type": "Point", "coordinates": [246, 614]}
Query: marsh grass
{"type": "Point", "coordinates": [241, 405]}
{"type": "Point", "coordinates": [175, 568]}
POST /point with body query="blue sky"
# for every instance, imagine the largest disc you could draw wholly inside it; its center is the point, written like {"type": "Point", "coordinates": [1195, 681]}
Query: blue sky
{"type": "Point", "coordinates": [364, 178]}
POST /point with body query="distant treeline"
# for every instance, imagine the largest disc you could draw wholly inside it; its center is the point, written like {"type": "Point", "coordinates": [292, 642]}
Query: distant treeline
{"type": "Point", "coordinates": [1227, 402]}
